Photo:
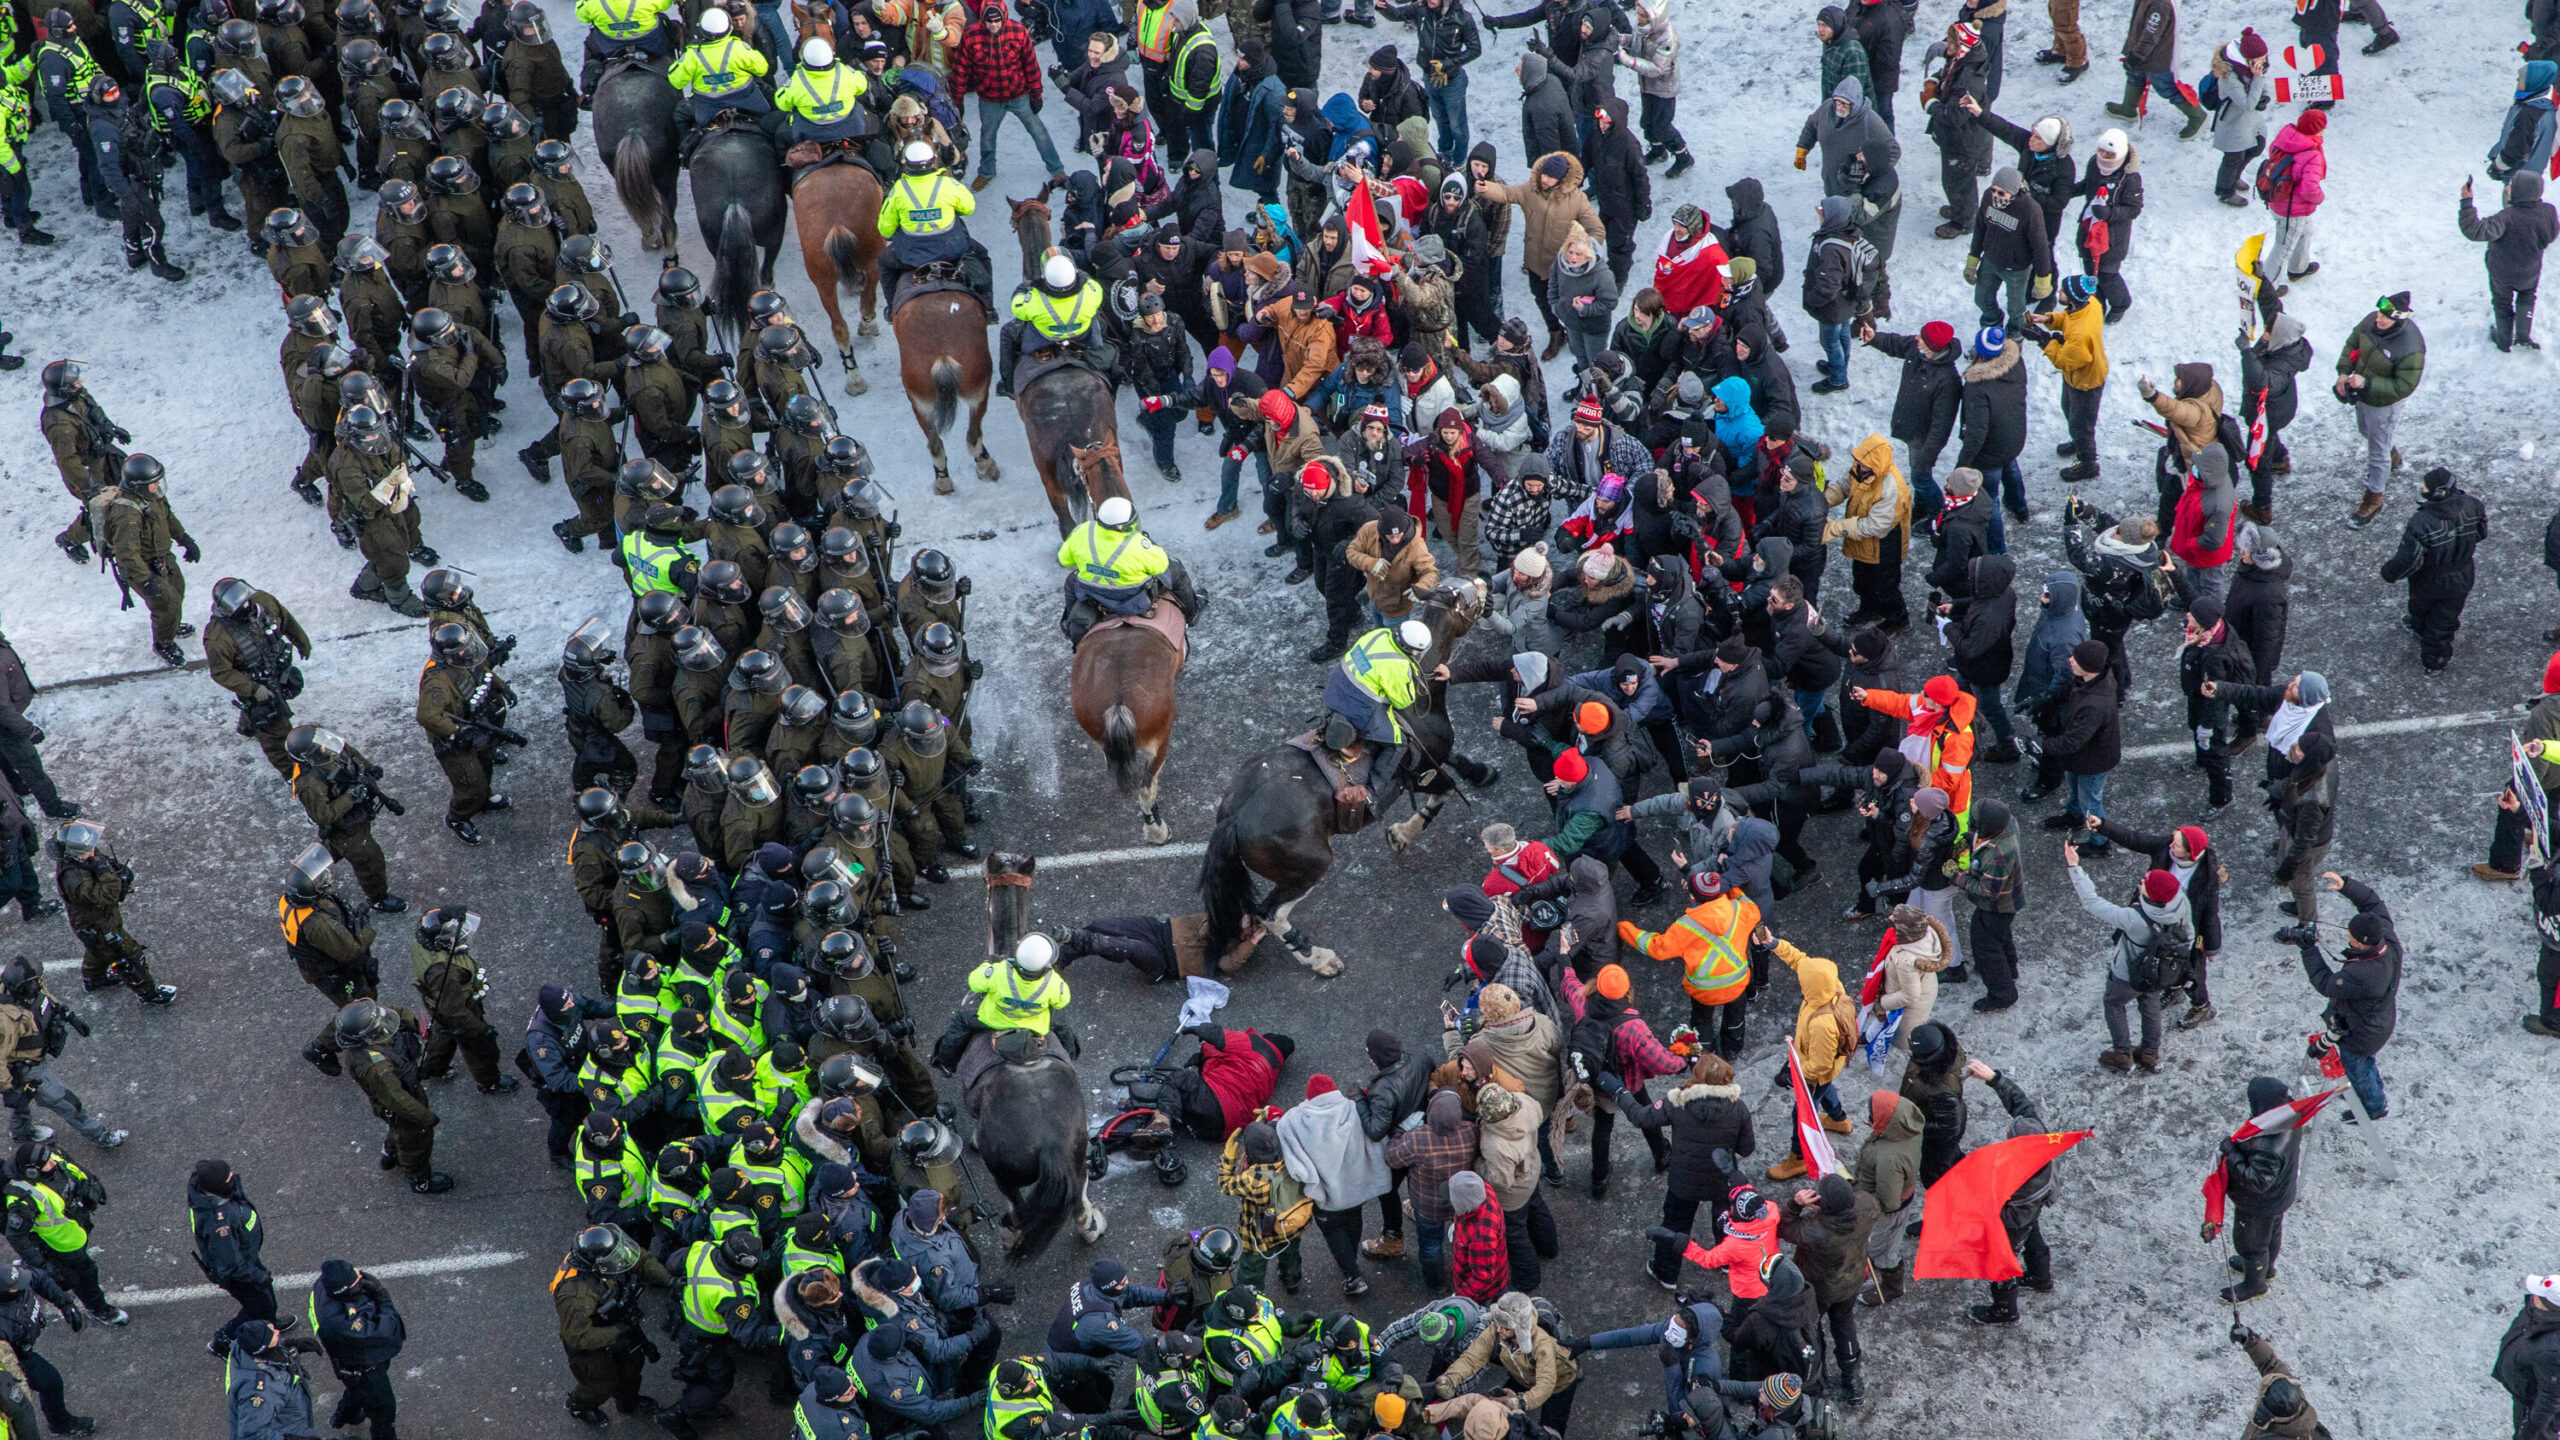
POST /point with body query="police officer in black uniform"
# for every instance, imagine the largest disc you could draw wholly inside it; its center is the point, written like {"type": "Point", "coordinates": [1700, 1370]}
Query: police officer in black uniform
{"type": "Point", "coordinates": [129, 162]}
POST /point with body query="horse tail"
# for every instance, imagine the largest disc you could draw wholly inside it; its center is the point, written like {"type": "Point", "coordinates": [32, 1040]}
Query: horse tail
{"type": "Point", "coordinates": [1120, 747]}
{"type": "Point", "coordinates": [1226, 887]}
{"type": "Point", "coordinates": [733, 273]}
{"type": "Point", "coordinates": [946, 394]}
{"type": "Point", "coordinates": [844, 251]}
{"type": "Point", "coordinates": [1047, 1204]}
{"type": "Point", "coordinates": [635, 179]}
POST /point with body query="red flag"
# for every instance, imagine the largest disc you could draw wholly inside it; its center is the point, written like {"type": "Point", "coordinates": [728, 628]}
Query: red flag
{"type": "Point", "coordinates": [1961, 1237]}
{"type": "Point", "coordinates": [2291, 1115]}
{"type": "Point", "coordinates": [1874, 985]}
{"type": "Point", "coordinates": [1368, 243]}
{"type": "Point", "coordinates": [1819, 1158]}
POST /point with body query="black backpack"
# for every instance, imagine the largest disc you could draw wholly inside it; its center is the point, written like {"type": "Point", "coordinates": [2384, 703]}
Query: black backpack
{"type": "Point", "coordinates": [2161, 961]}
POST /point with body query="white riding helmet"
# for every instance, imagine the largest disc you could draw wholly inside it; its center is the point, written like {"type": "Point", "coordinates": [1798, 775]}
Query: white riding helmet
{"type": "Point", "coordinates": [1414, 636]}
{"type": "Point", "coordinates": [1116, 513]}
{"type": "Point", "coordinates": [1058, 273]}
{"type": "Point", "coordinates": [918, 153]}
{"type": "Point", "coordinates": [817, 54]}
{"type": "Point", "coordinates": [1035, 954]}
{"type": "Point", "coordinates": [714, 21]}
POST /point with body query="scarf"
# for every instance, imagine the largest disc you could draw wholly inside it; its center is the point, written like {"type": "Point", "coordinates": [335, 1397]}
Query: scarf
{"type": "Point", "coordinates": [2288, 724]}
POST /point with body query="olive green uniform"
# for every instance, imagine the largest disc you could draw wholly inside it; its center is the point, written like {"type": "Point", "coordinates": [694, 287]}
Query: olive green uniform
{"type": "Point", "coordinates": [906, 1070]}
{"type": "Point", "coordinates": [600, 1317]}
{"type": "Point", "coordinates": [916, 610]}
{"type": "Point", "coordinates": [84, 454]}
{"type": "Point", "coordinates": [535, 81]}
{"type": "Point", "coordinates": [251, 655]}
{"type": "Point", "coordinates": [451, 987]}
{"type": "Point", "coordinates": [140, 532]}
{"type": "Point", "coordinates": [661, 409]}
{"type": "Point", "coordinates": [250, 150]}
{"type": "Point", "coordinates": [342, 806]}
{"type": "Point", "coordinates": [595, 711]}
{"type": "Point", "coordinates": [525, 256]}
{"type": "Point", "coordinates": [315, 404]}
{"type": "Point", "coordinates": [299, 269]}
{"type": "Point", "coordinates": [377, 322]}
{"type": "Point", "coordinates": [462, 746]}
{"type": "Point", "coordinates": [464, 220]}
{"type": "Point", "coordinates": [946, 693]}
{"type": "Point", "coordinates": [404, 157]}
{"type": "Point", "coordinates": [453, 382]}
{"type": "Point", "coordinates": [932, 815]}
{"type": "Point", "coordinates": [568, 201]}
{"type": "Point", "coordinates": [388, 1075]}
{"type": "Point", "coordinates": [597, 878]}
{"type": "Point", "coordinates": [642, 918]}
{"type": "Point", "coordinates": [510, 159]}
{"type": "Point", "coordinates": [590, 455]}
{"type": "Point", "coordinates": [307, 147]}
{"type": "Point", "coordinates": [332, 945]}
{"type": "Point", "coordinates": [405, 237]}
{"type": "Point", "coordinates": [743, 544]}
{"type": "Point", "coordinates": [688, 330]}
{"type": "Point", "coordinates": [376, 492]}
{"type": "Point", "coordinates": [93, 892]}
{"type": "Point", "coordinates": [722, 438]}
{"type": "Point", "coordinates": [744, 828]}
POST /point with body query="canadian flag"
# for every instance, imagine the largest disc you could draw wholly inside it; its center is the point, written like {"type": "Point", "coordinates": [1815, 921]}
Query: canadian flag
{"type": "Point", "coordinates": [2291, 1115]}
{"type": "Point", "coordinates": [1819, 1158]}
{"type": "Point", "coordinates": [1368, 243]}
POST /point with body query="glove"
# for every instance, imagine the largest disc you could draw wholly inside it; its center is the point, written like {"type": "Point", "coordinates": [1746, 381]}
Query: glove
{"type": "Point", "coordinates": [961, 586]}
{"type": "Point", "coordinates": [188, 548]}
{"type": "Point", "coordinates": [1151, 403]}
{"type": "Point", "coordinates": [76, 1320]}
{"type": "Point", "coordinates": [1578, 1345]}
{"type": "Point", "coordinates": [1801, 152]}
{"type": "Point", "coordinates": [900, 1029]}
{"type": "Point", "coordinates": [2039, 287]}
{"type": "Point", "coordinates": [1457, 977]}
{"type": "Point", "coordinates": [1972, 268]}
{"type": "Point", "coordinates": [996, 1294]}
{"type": "Point", "coordinates": [1036, 102]}
{"type": "Point", "coordinates": [977, 670]}
{"type": "Point", "coordinates": [984, 1330]}
{"type": "Point", "coordinates": [2145, 388]}
{"type": "Point", "coordinates": [2241, 1334]}
{"type": "Point", "coordinates": [1236, 454]}
{"type": "Point", "coordinates": [35, 734]}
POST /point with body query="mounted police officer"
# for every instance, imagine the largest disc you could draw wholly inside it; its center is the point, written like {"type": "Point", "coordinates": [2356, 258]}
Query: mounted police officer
{"type": "Point", "coordinates": [721, 71]}
{"type": "Point", "coordinates": [1023, 991]}
{"type": "Point", "coordinates": [1061, 310]}
{"type": "Point", "coordinates": [824, 100]}
{"type": "Point", "coordinates": [1113, 568]}
{"type": "Point", "coordinates": [1379, 676]}
{"type": "Point", "coordinates": [648, 27]}
{"type": "Point", "coordinates": [923, 220]}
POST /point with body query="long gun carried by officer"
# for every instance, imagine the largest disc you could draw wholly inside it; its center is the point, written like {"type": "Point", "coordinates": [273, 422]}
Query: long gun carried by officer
{"type": "Point", "coordinates": [364, 782]}
{"type": "Point", "coordinates": [407, 420]}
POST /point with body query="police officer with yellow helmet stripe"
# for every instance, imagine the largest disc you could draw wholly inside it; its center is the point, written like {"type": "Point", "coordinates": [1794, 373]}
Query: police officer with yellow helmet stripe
{"type": "Point", "coordinates": [1113, 568]}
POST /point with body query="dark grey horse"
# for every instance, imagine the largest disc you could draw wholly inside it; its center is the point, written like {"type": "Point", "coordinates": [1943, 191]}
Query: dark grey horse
{"type": "Point", "coordinates": [636, 138]}
{"type": "Point", "coordinates": [739, 205]}
{"type": "Point", "coordinates": [1276, 819]}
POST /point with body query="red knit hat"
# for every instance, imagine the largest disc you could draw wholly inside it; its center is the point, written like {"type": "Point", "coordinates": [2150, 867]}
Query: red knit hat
{"type": "Point", "coordinates": [2196, 839]}
{"type": "Point", "coordinates": [2312, 122]}
{"type": "Point", "coordinates": [1588, 412]}
{"type": "Point", "coordinates": [1279, 409]}
{"type": "Point", "coordinates": [1571, 768]}
{"type": "Point", "coordinates": [2551, 675]}
{"type": "Point", "coordinates": [2253, 46]}
{"type": "Point", "coordinates": [2160, 887]}
{"type": "Point", "coordinates": [1591, 717]}
{"type": "Point", "coordinates": [1937, 334]}
{"type": "Point", "coordinates": [1315, 479]}
{"type": "Point", "coordinates": [1940, 691]}
{"type": "Point", "coordinates": [1319, 1085]}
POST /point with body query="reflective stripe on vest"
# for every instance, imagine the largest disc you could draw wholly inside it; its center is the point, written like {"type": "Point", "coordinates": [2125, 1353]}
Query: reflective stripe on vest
{"type": "Point", "coordinates": [1182, 63]}
{"type": "Point", "coordinates": [704, 1290]}
{"type": "Point", "coordinates": [1155, 31]}
{"type": "Point", "coordinates": [1721, 967]}
{"type": "Point", "coordinates": [54, 1225]}
{"type": "Point", "coordinates": [651, 564]}
{"type": "Point", "coordinates": [1002, 1411]}
{"type": "Point", "coordinates": [924, 213]}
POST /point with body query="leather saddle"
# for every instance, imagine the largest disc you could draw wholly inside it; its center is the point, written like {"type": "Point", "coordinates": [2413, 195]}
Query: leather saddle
{"type": "Point", "coordinates": [1164, 618]}
{"type": "Point", "coordinates": [1348, 819]}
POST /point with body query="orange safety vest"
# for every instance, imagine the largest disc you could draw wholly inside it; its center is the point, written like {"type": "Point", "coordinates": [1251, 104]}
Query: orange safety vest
{"type": "Point", "coordinates": [1716, 967]}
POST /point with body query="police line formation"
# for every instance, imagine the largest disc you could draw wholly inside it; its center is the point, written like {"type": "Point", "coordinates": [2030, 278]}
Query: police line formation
{"type": "Point", "coordinates": [740, 1102]}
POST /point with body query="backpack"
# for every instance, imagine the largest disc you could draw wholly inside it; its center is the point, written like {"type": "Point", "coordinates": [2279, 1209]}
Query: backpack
{"type": "Point", "coordinates": [2275, 177]}
{"type": "Point", "coordinates": [1866, 267]}
{"type": "Point", "coordinates": [934, 94]}
{"type": "Point", "coordinates": [21, 1036]}
{"type": "Point", "coordinates": [2161, 961]}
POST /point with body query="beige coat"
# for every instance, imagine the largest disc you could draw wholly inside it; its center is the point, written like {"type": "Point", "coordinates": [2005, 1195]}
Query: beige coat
{"type": "Point", "coordinates": [1390, 578]}
{"type": "Point", "coordinates": [1536, 1373]}
{"type": "Point", "coordinates": [1911, 975]}
{"type": "Point", "coordinates": [1549, 215]}
{"type": "Point", "coordinates": [1507, 1152]}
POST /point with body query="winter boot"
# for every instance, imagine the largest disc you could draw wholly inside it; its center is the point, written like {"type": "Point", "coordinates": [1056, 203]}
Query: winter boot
{"type": "Point", "coordinates": [2003, 1309]}
{"type": "Point", "coordinates": [2083, 471]}
{"type": "Point", "coordinates": [220, 218]}
{"type": "Point", "coordinates": [2071, 73]}
{"type": "Point", "coordinates": [2366, 509]}
{"type": "Point", "coordinates": [158, 254]}
{"type": "Point", "coordinates": [7, 360]}
{"type": "Point", "coordinates": [28, 234]}
{"type": "Point", "coordinates": [1385, 1247]}
{"type": "Point", "coordinates": [1658, 153]}
{"type": "Point", "coordinates": [2383, 40]}
{"type": "Point", "coordinates": [1791, 1168]}
{"type": "Point", "coordinates": [1852, 1390]}
{"type": "Point", "coordinates": [2147, 1061]}
{"type": "Point", "coordinates": [2524, 323]}
{"type": "Point", "coordinates": [2196, 117]}
{"type": "Point", "coordinates": [405, 601]}
{"type": "Point", "coordinates": [2196, 1015]}
{"type": "Point", "coordinates": [1681, 163]}
{"type": "Point", "coordinates": [2536, 1025]}
{"type": "Point", "coordinates": [535, 464]}
{"type": "Point", "coordinates": [2048, 57]}
{"type": "Point", "coordinates": [169, 652]}
{"type": "Point", "coordinates": [1555, 343]}
{"type": "Point", "coordinates": [2120, 1061]}
{"type": "Point", "coordinates": [2130, 107]}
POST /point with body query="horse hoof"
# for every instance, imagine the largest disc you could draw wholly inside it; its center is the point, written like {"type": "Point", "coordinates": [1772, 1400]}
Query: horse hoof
{"type": "Point", "coordinates": [988, 469]}
{"type": "Point", "coordinates": [1091, 1225]}
{"type": "Point", "coordinates": [870, 330]}
{"type": "Point", "coordinates": [1324, 962]}
{"type": "Point", "coordinates": [942, 482]}
{"type": "Point", "coordinates": [1158, 832]}
{"type": "Point", "coordinates": [854, 384]}
{"type": "Point", "coordinates": [1404, 832]}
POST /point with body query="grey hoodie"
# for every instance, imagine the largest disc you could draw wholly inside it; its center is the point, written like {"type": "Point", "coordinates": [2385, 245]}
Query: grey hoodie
{"type": "Point", "coordinates": [2133, 923]}
{"type": "Point", "coordinates": [1842, 139]}
{"type": "Point", "coordinates": [2058, 628]}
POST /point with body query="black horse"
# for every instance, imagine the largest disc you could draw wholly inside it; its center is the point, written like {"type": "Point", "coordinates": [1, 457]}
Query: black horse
{"type": "Point", "coordinates": [1031, 1124]}
{"type": "Point", "coordinates": [1277, 818]}
{"type": "Point", "coordinates": [739, 204]}
{"type": "Point", "coordinates": [636, 137]}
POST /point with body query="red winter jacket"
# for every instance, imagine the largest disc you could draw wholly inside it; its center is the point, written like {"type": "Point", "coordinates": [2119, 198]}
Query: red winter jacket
{"type": "Point", "coordinates": [1479, 1259]}
{"type": "Point", "coordinates": [1693, 276]}
{"type": "Point", "coordinates": [2187, 529]}
{"type": "Point", "coordinates": [1243, 1070]}
{"type": "Point", "coordinates": [1739, 1254]}
{"type": "Point", "coordinates": [996, 62]}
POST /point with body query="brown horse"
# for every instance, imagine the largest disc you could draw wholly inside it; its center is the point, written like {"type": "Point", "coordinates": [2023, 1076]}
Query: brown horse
{"type": "Point", "coordinates": [837, 210]}
{"type": "Point", "coordinates": [816, 22]}
{"type": "Point", "coordinates": [943, 359]}
{"type": "Point", "coordinates": [1066, 413]}
{"type": "Point", "coordinates": [1124, 675]}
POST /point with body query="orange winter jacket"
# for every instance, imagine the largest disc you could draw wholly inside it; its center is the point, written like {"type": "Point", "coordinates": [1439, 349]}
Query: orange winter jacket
{"type": "Point", "coordinates": [1949, 734]}
{"type": "Point", "coordinates": [1712, 942]}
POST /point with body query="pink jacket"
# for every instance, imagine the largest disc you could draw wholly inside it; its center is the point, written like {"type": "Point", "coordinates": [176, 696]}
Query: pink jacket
{"type": "Point", "coordinates": [2301, 193]}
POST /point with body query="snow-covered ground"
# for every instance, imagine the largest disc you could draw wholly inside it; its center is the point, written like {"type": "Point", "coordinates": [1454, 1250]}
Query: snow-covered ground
{"type": "Point", "coordinates": [2391, 1297]}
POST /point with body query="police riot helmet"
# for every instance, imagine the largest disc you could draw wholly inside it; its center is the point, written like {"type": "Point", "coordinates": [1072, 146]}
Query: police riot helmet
{"type": "Point", "coordinates": [646, 343]}
{"type": "Point", "coordinates": [697, 651]}
{"type": "Point", "coordinates": [586, 252]}
{"type": "Point", "coordinates": [363, 427]}
{"type": "Point", "coordinates": [298, 97]}
{"type": "Point", "coordinates": [765, 306]}
{"type": "Point", "coordinates": [760, 671]}
{"type": "Point", "coordinates": [586, 399]}
{"type": "Point", "coordinates": [596, 805]}
{"type": "Point", "coordinates": [783, 609]}
{"type": "Point", "coordinates": [451, 174]}
{"type": "Point", "coordinates": [861, 500]}
{"type": "Point", "coordinates": [231, 595]}
{"type": "Point", "coordinates": [443, 51]}
{"type": "Point", "coordinates": [551, 157]}
{"type": "Point", "coordinates": [445, 588]}
{"type": "Point", "coordinates": [815, 785]}
{"type": "Point", "coordinates": [360, 57]}
{"type": "Point", "coordinates": [935, 568]}
{"type": "Point", "coordinates": [523, 203]}
{"type": "Point", "coordinates": [929, 1142]}
{"type": "Point", "coordinates": [853, 813]}
{"type": "Point", "coordinates": [445, 15]}
{"type": "Point", "coordinates": [724, 396]}
{"type": "Point", "coordinates": [81, 838]}
{"type": "Point", "coordinates": [526, 22]}
{"type": "Point", "coordinates": [358, 18]}
{"type": "Point", "coordinates": [679, 286]}
{"type": "Point", "coordinates": [366, 1022]}
{"type": "Point", "coordinates": [453, 643]}
{"type": "Point", "coordinates": [636, 857]}
{"type": "Point", "coordinates": [844, 455]}
{"type": "Point", "coordinates": [748, 471]}
{"type": "Point", "coordinates": [789, 545]}
{"type": "Point", "coordinates": [644, 477]}
{"type": "Point", "coordinates": [843, 549]}
{"type": "Point", "coordinates": [140, 473]}
{"type": "Point", "coordinates": [660, 610]}
{"type": "Point", "coordinates": [1216, 1250]}
{"type": "Point", "coordinates": [733, 505]}
{"type": "Point", "coordinates": [803, 415]}
{"type": "Point", "coordinates": [723, 581]}
{"type": "Point", "coordinates": [604, 1249]}
{"type": "Point", "coordinates": [303, 314]}
{"type": "Point", "coordinates": [432, 326]}
{"type": "Point", "coordinates": [916, 720]}
{"type": "Point", "coordinates": [588, 650]}
{"type": "Point", "coordinates": [447, 928]}
{"type": "Point", "coordinates": [826, 900]}
{"type": "Point", "coordinates": [235, 37]}
{"type": "Point", "coordinates": [848, 1018]}
{"type": "Point", "coordinates": [313, 744]}
{"type": "Point", "coordinates": [751, 781]}
{"type": "Point", "coordinates": [802, 706]}
{"type": "Point", "coordinates": [501, 121]}
{"type": "Point", "coordinates": [62, 379]}
{"type": "Point", "coordinates": [399, 117]}
{"type": "Point", "coordinates": [938, 644]}
{"type": "Point", "coordinates": [361, 252]}
{"type": "Point", "coordinates": [817, 54]}
{"type": "Point", "coordinates": [861, 765]}
{"type": "Point", "coordinates": [309, 877]}
{"type": "Point", "coordinates": [840, 610]}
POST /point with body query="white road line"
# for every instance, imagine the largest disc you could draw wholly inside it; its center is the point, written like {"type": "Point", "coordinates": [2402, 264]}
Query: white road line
{"type": "Point", "coordinates": [2350, 732]}
{"type": "Point", "coordinates": [392, 1270]}
{"type": "Point", "coordinates": [1083, 859]}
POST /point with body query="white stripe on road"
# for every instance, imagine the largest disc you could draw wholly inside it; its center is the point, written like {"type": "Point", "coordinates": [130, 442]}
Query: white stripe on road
{"type": "Point", "coordinates": [393, 1270]}
{"type": "Point", "coordinates": [2351, 732]}
{"type": "Point", "coordinates": [1083, 859]}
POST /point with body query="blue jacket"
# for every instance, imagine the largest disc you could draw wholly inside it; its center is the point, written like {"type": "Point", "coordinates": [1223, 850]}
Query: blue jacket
{"type": "Point", "coordinates": [819, 1419]}
{"type": "Point", "coordinates": [2047, 671]}
{"type": "Point", "coordinates": [2531, 111]}
{"type": "Point", "coordinates": [1648, 705]}
{"type": "Point", "coordinates": [270, 1399]}
{"type": "Point", "coordinates": [1738, 428]}
{"type": "Point", "coordinates": [900, 1386]}
{"type": "Point", "coordinates": [1356, 397]}
{"type": "Point", "coordinates": [1249, 131]}
{"type": "Point", "coordinates": [1350, 128]}
{"type": "Point", "coordinates": [1695, 1363]}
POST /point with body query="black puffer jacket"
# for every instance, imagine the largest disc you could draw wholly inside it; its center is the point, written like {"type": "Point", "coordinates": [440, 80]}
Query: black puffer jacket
{"type": "Point", "coordinates": [1620, 188]}
{"type": "Point", "coordinates": [1986, 622]}
{"type": "Point", "coordinates": [1929, 396]}
{"type": "Point", "coordinates": [2257, 606]}
{"type": "Point", "coordinates": [2516, 235]}
{"type": "Point", "coordinates": [1703, 1119]}
{"type": "Point", "coordinates": [1964, 535]}
{"type": "Point", "coordinates": [1753, 231]}
{"type": "Point", "coordinates": [2265, 1171]}
{"type": "Point", "coordinates": [1995, 410]}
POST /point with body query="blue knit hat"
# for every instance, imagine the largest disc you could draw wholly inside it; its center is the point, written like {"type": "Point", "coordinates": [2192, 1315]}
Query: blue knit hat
{"type": "Point", "coordinates": [1988, 340]}
{"type": "Point", "coordinates": [2079, 290]}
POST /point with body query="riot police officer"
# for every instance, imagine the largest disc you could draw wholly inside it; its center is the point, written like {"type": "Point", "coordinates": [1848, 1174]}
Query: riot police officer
{"type": "Point", "coordinates": [455, 374]}
{"type": "Point", "coordinates": [381, 1047]}
{"type": "Point", "coordinates": [930, 809]}
{"type": "Point", "coordinates": [597, 1297]}
{"type": "Point", "coordinates": [330, 942]}
{"type": "Point", "coordinates": [86, 449]}
{"type": "Point", "coordinates": [129, 162]}
{"type": "Point", "coordinates": [249, 648]}
{"type": "Point", "coordinates": [140, 531]}
{"type": "Point", "coordinates": [375, 491]}
{"type": "Point", "coordinates": [93, 885]}
{"type": "Point", "coordinates": [597, 710]}
{"type": "Point", "coordinates": [451, 695]}
{"type": "Point", "coordinates": [340, 790]}
{"type": "Point", "coordinates": [451, 986]}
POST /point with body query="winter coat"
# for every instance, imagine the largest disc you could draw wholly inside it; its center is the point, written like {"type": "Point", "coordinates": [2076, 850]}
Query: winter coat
{"type": "Point", "coordinates": [1654, 55]}
{"type": "Point", "coordinates": [1390, 95]}
{"type": "Point", "coordinates": [2256, 607]}
{"type": "Point", "coordinates": [2134, 924]}
{"type": "Point", "coordinates": [1249, 141]}
{"type": "Point", "coordinates": [1529, 1046]}
{"type": "Point", "coordinates": [1549, 214]}
{"type": "Point", "coordinates": [2194, 417]}
{"type": "Point", "coordinates": [1620, 187]}
{"type": "Point", "coordinates": [2299, 192]}
{"type": "Point", "coordinates": [1873, 506]}
{"type": "Point", "coordinates": [1995, 413]}
{"type": "Point", "coordinates": [1831, 1249]}
{"type": "Point", "coordinates": [2517, 235]}
{"type": "Point", "coordinates": [1842, 139]}
{"type": "Point", "coordinates": [1508, 1152]}
{"type": "Point", "coordinates": [2088, 736]}
{"type": "Point", "coordinates": [1888, 1165]}
{"type": "Point", "coordinates": [2528, 1366]}
{"type": "Point", "coordinates": [2203, 897]}
{"type": "Point", "coordinates": [2202, 535]}
{"type": "Point", "coordinates": [2015, 237]}
{"type": "Point", "coordinates": [2391, 364]}
{"type": "Point", "coordinates": [1325, 1146]}
{"type": "Point", "coordinates": [1411, 568]}
{"type": "Point", "coordinates": [1297, 38]}
{"type": "Point", "coordinates": [2525, 135]}
{"type": "Point", "coordinates": [2059, 626]}
{"type": "Point", "coordinates": [1986, 622]}
{"type": "Point", "coordinates": [2270, 364]}
{"type": "Point", "coordinates": [1927, 399]}
{"type": "Point", "coordinates": [1446, 34]}
{"type": "Point", "coordinates": [1882, 30]}
{"type": "Point", "coordinates": [1845, 59]}
{"type": "Point", "coordinates": [2049, 173]}
{"type": "Point", "coordinates": [2080, 352]}
{"type": "Point", "coordinates": [1828, 295]}
{"type": "Point", "coordinates": [2222, 659]}
{"type": "Point", "coordinates": [2151, 38]}
{"type": "Point", "coordinates": [2435, 554]}
{"type": "Point", "coordinates": [1702, 1119]}
{"type": "Point", "coordinates": [2306, 806]}
{"type": "Point", "coordinates": [1939, 1092]}
{"type": "Point", "coordinates": [2240, 100]}
{"type": "Point", "coordinates": [1566, 287]}
{"type": "Point", "coordinates": [2363, 991]}
{"type": "Point", "coordinates": [1963, 535]}
{"type": "Point", "coordinates": [1396, 1092]}
{"type": "Point", "coordinates": [2113, 200]}
{"type": "Point", "coordinates": [1826, 1018]}
{"type": "Point", "coordinates": [1546, 113]}
{"type": "Point", "coordinates": [1537, 1373]}
{"type": "Point", "coordinates": [1754, 231]}
{"type": "Point", "coordinates": [1911, 979]}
